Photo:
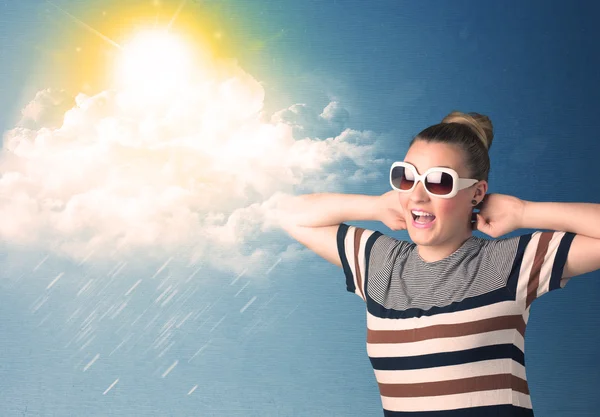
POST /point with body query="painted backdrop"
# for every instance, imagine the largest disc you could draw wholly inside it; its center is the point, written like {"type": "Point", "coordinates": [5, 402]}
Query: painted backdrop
{"type": "Point", "coordinates": [145, 143]}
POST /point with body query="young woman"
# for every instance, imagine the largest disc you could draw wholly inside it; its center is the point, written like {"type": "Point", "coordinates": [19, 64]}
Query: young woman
{"type": "Point", "coordinates": [446, 314]}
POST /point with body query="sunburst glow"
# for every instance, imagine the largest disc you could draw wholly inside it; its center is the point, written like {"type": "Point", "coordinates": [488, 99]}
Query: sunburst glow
{"type": "Point", "coordinates": [155, 64]}
{"type": "Point", "coordinates": [179, 145]}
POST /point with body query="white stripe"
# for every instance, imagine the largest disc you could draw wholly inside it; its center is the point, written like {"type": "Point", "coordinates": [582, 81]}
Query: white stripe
{"type": "Point", "coordinates": [361, 258]}
{"type": "Point", "coordinates": [449, 344]}
{"type": "Point", "coordinates": [446, 373]}
{"type": "Point", "coordinates": [546, 271]}
{"type": "Point", "coordinates": [526, 265]}
{"type": "Point", "coordinates": [349, 249]}
{"type": "Point", "coordinates": [450, 402]}
{"type": "Point", "coordinates": [504, 308]}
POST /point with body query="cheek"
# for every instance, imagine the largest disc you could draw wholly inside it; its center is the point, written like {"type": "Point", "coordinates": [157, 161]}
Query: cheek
{"type": "Point", "coordinates": [450, 209]}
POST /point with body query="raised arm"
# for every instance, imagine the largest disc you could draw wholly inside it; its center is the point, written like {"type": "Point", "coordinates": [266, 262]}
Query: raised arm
{"type": "Point", "coordinates": [314, 219]}
{"type": "Point", "coordinates": [501, 214]}
{"type": "Point", "coordinates": [582, 219]}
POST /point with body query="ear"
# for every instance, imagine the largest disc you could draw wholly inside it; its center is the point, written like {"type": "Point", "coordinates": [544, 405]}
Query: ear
{"type": "Point", "coordinates": [480, 189]}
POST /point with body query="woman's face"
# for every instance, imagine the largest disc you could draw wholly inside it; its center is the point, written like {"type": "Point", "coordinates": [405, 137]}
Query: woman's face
{"type": "Point", "coordinates": [452, 215]}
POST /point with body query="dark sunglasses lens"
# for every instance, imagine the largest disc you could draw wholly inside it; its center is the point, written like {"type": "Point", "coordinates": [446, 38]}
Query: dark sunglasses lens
{"type": "Point", "coordinates": [400, 180]}
{"type": "Point", "coordinates": [439, 183]}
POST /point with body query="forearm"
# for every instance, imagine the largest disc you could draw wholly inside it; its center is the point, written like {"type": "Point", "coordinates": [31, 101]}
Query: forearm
{"type": "Point", "coordinates": [327, 209]}
{"type": "Point", "coordinates": [578, 218]}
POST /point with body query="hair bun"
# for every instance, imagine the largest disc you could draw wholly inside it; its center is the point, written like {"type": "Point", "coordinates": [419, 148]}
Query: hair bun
{"type": "Point", "coordinates": [480, 124]}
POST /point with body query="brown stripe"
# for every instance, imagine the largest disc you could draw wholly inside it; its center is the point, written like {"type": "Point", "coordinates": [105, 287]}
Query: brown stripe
{"type": "Point", "coordinates": [357, 234]}
{"type": "Point", "coordinates": [534, 276]}
{"type": "Point", "coordinates": [455, 386]}
{"type": "Point", "coordinates": [447, 330]}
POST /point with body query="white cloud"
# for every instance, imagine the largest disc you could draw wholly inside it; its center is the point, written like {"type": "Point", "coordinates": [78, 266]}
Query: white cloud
{"type": "Point", "coordinates": [46, 110]}
{"type": "Point", "coordinates": [194, 175]}
{"type": "Point", "coordinates": [306, 122]}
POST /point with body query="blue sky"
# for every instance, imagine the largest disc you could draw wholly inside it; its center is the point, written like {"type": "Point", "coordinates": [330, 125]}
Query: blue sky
{"type": "Point", "coordinates": [140, 278]}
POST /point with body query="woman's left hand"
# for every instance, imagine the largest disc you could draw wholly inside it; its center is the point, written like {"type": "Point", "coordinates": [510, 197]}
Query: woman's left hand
{"type": "Point", "coordinates": [499, 214]}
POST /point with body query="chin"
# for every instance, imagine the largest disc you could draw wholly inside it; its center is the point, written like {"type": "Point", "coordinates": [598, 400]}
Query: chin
{"type": "Point", "coordinates": [422, 237]}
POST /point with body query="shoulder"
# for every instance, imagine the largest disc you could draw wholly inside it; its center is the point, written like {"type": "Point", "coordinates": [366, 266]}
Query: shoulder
{"type": "Point", "coordinates": [537, 241]}
{"type": "Point", "coordinates": [360, 236]}
{"type": "Point", "coordinates": [537, 247]}
{"type": "Point", "coordinates": [372, 245]}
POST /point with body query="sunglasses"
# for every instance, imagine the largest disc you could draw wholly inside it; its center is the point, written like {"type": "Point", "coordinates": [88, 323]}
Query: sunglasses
{"type": "Point", "coordinates": [438, 181]}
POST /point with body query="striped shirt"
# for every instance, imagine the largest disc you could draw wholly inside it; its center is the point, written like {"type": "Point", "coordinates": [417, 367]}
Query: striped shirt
{"type": "Point", "coordinates": [446, 338]}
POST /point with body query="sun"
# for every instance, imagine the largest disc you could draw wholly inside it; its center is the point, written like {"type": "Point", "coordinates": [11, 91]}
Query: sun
{"type": "Point", "coordinates": [155, 64]}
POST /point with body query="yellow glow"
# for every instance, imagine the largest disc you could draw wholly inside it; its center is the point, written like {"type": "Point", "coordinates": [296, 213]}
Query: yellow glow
{"type": "Point", "coordinates": [155, 64]}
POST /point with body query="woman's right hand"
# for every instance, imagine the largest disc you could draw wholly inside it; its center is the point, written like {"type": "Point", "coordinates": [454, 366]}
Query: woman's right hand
{"type": "Point", "coordinates": [390, 212]}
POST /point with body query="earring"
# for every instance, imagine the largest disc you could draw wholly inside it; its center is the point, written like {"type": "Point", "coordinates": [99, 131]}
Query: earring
{"type": "Point", "coordinates": [474, 202]}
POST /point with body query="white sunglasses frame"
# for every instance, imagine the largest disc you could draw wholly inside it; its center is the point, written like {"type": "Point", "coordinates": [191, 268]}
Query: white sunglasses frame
{"type": "Point", "coordinates": [457, 183]}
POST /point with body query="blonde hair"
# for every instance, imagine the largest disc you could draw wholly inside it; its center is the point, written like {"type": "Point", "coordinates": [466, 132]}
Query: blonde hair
{"type": "Point", "coordinates": [481, 125]}
{"type": "Point", "coordinates": [471, 132]}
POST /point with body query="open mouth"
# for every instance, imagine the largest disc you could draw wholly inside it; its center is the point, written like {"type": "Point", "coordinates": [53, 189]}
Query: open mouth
{"type": "Point", "coordinates": [422, 217]}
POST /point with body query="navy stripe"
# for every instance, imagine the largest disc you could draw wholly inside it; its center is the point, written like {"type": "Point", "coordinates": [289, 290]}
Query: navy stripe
{"type": "Point", "coordinates": [504, 351]}
{"type": "Point", "coordinates": [492, 297]}
{"type": "Point", "coordinates": [560, 260]}
{"type": "Point", "coordinates": [341, 235]}
{"type": "Point", "coordinates": [505, 410]}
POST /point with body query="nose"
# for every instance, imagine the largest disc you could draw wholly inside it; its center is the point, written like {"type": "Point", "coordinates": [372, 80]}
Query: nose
{"type": "Point", "coordinates": [419, 193]}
